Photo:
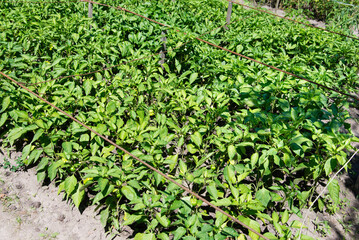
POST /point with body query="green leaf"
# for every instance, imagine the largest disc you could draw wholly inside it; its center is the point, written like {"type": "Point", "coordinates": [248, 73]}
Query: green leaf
{"type": "Point", "coordinates": [153, 224]}
{"type": "Point", "coordinates": [87, 86]}
{"type": "Point", "coordinates": [178, 234]}
{"type": "Point", "coordinates": [78, 196]}
{"type": "Point", "coordinates": [263, 195]}
{"type": "Point", "coordinates": [163, 236]}
{"type": "Point", "coordinates": [270, 236]}
{"type": "Point", "coordinates": [189, 237]}
{"type": "Point", "coordinates": [191, 220]}
{"type": "Point", "coordinates": [3, 119]}
{"type": "Point", "coordinates": [197, 138]}
{"type": "Point", "coordinates": [163, 220]}
{"type": "Point", "coordinates": [297, 224]}
{"type": "Point", "coordinates": [75, 37]}
{"type": "Point", "coordinates": [104, 216]}
{"type": "Point", "coordinates": [253, 224]}
{"type": "Point", "coordinates": [334, 190]}
{"type": "Point", "coordinates": [26, 152]}
{"type": "Point", "coordinates": [111, 107]}
{"type": "Point", "coordinates": [5, 103]}
{"type": "Point", "coordinates": [230, 231]}
{"type": "Point", "coordinates": [275, 217]}
{"type": "Point", "coordinates": [223, 202]}
{"type": "Point", "coordinates": [284, 104]}
{"type": "Point", "coordinates": [61, 187]}
{"type": "Point", "coordinates": [231, 151]}
{"type": "Point", "coordinates": [37, 135]}
{"type": "Point", "coordinates": [116, 173]}
{"type": "Point", "coordinates": [67, 146]}
{"type": "Point", "coordinates": [220, 219]}
{"type": "Point", "coordinates": [278, 227]}
{"type": "Point", "coordinates": [229, 175]}
{"type": "Point", "coordinates": [157, 177]}
{"type": "Point", "coordinates": [43, 164]}
{"type": "Point", "coordinates": [212, 190]}
{"type": "Point", "coordinates": [182, 166]}
{"type": "Point", "coordinates": [330, 165]}
{"type": "Point", "coordinates": [129, 192]}
{"type": "Point", "coordinates": [293, 114]}
{"type": "Point", "coordinates": [193, 77]}
{"type": "Point", "coordinates": [145, 236]}
{"type": "Point", "coordinates": [41, 176]}
{"type": "Point", "coordinates": [70, 184]}
{"type": "Point", "coordinates": [191, 148]}
{"type": "Point", "coordinates": [234, 191]}
{"type": "Point", "coordinates": [15, 134]}
{"type": "Point", "coordinates": [84, 138]}
{"type": "Point", "coordinates": [172, 161]}
{"type": "Point", "coordinates": [130, 218]}
{"type": "Point", "coordinates": [306, 237]}
{"type": "Point", "coordinates": [34, 156]}
{"type": "Point", "coordinates": [98, 76]}
{"type": "Point", "coordinates": [321, 204]}
{"type": "Point", "coordinates": [104, 185]}
{"type": "Point", "coordinates": [254, 159]}
{"type": "Point", "coordinates": [52, 170]}
{"type": "Point", "coordinates": [285, 216]}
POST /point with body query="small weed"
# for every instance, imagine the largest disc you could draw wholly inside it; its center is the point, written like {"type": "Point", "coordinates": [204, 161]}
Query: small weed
{"type": "Point", "coordinates": [6, 164]}
{"type": "Point", "coordinates": [331, 207]}
{"type": "Point", "coordinates": [322, 227]}
{"type": "Point", "coordinates": [49, 236]}
{"type": "Point", "coordinates": [347, 225]}
{"type": "Point", "coordinates": [19, 220]}
{"type": "Point", "coordinates": [54, 235]}
{"type": "Point", "coordinates": [19, 165]}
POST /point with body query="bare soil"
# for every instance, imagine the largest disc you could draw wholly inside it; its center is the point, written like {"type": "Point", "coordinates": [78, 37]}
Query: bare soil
{"type": "Point", "coordinates": [31, 210]}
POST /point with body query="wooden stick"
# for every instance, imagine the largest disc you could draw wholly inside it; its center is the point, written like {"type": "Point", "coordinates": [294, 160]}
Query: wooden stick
{"type": "Point", "coordinates": [163, 56]}
{"type": "Point", "coordinates": [229, 13]}
{"type": "Point", "coordinates": [90, 12]}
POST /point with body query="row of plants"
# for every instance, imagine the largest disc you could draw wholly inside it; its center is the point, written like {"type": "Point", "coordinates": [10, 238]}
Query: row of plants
{"type": "Point", "coordinates": [340, 14]}
{"type": "Point", "coordinates": [249, 139]}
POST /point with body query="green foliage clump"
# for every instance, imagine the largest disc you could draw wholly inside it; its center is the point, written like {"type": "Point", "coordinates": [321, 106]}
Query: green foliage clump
{"type": "Point", "coordinates": [249, 139]}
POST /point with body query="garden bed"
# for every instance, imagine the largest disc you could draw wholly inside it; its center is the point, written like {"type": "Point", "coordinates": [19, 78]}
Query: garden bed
{"type": "Point", "coordinates": [251, 140]}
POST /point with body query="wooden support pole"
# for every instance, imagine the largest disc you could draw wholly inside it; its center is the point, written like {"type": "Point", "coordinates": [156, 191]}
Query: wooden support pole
{"type": "Point", "coordinates": [277, 6]}
{"type": "Point", "coordinates": [90, 12]}
{"type": "Point", "coordinates": [229, 13]}
{"type": "Point", "coordinates": [90, 15]}
{"type": "Point", "coordinates": [163, 56]}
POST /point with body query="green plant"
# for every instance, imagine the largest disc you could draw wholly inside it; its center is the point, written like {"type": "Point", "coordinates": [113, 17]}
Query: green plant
{"type": "Point", "coordinates": [249, 139]}
{"type": "Point", "coordinates": [6, 164]}
{"type": "Point", "coordinates": [322, 227]}
{"type": "Point", "coordinates": [19, 165]}
{"type": "Point", "coordinates": [19, 220]}
{"type": "Point", "coordinates": [47, 235]}
{"type": "Point", "coordinates": [347, 225]}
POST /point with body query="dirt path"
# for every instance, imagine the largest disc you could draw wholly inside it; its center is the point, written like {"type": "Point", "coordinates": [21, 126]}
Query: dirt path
{"type": "Point", "coordinates": [282, 13]}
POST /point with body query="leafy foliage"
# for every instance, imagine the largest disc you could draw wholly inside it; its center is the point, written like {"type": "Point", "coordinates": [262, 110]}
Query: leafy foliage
{"type": "Point", "coordinates": [246, 137]}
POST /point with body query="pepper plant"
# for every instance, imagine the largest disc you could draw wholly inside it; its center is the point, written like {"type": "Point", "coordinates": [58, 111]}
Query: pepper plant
{"type": "Point", "coordinates": [249, 139]}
